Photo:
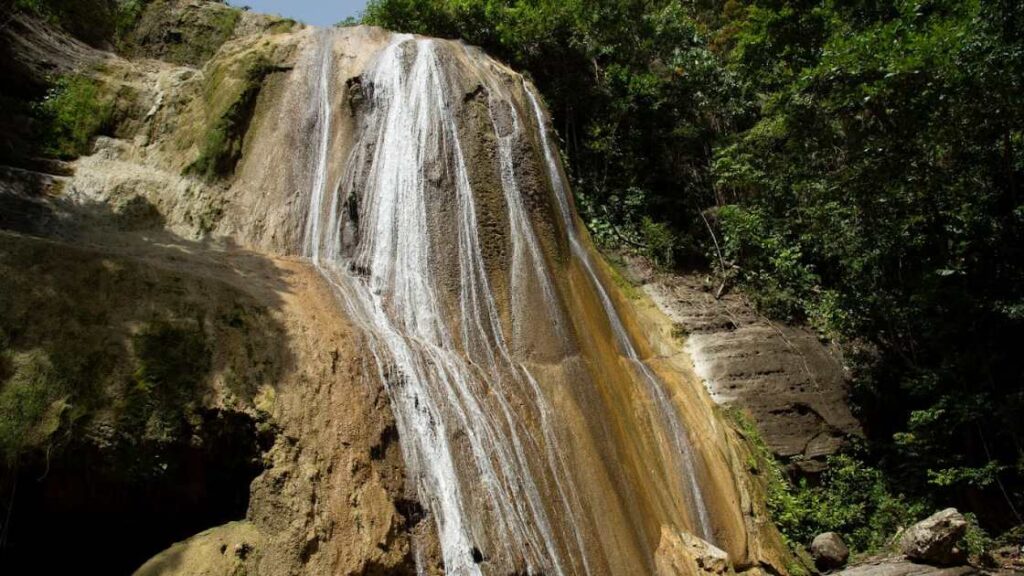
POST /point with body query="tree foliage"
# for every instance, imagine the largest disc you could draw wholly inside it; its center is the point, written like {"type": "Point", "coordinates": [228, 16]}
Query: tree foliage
{"type": "Point", "coordinates": [877, 196]}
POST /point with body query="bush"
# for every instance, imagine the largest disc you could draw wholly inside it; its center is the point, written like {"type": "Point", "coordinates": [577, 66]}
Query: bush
{"type": "Point", "coordinates": [851, 498]}
{"type": "Point", "coordinates": [659, 242]}
{"type": "Point", "coordinates": [855, 500]}
{"type": "Point", "coordinates": [72, 113]}
{"type": "Point", "coordinates": [127, 16]}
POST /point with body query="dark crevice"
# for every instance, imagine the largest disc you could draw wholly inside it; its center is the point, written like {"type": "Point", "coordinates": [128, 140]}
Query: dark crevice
{"type": "Point", "coordinates": [388, 437]}
{"type": "Point", "coordinates": [412, 511]}
{"type": "Point", "coordinates": [109, 508]}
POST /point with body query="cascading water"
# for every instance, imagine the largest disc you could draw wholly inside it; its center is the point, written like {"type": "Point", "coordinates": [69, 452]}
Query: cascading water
{"type": "Point", "coordinates": [451, 328]}
{"type": "Point", "coordinates": [679, 437]}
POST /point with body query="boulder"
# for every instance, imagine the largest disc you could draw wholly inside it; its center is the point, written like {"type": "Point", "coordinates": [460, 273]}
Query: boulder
{"type": "Point", "coordinates": [934, 539]}
{"type": "Point", "coordinates": [829, 551]}
{"type": "Point", "coordinates": [680, 553]}
{"type": "Point", "coordinates": [227, 549]}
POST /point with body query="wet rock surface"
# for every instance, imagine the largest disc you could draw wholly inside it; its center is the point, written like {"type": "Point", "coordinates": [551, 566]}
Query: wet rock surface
{"type": "Point", "coordinates": [789, 381]}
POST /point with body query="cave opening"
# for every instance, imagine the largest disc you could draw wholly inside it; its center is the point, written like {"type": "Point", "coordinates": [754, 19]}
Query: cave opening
{"type": "Point", "coordinates": [106, 509]}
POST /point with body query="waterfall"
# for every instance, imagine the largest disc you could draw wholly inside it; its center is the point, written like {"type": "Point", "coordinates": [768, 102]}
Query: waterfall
{"type": "Point", "coordinates": [399, 240]}
{"type": "Point", "coordinates": [669, 415]}
{"type": "Point", "coordinates": [322, 128]}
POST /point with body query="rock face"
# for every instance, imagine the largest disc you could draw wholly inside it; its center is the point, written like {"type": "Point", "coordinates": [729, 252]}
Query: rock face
{"type": "Point", "coordinates": [934, 540]}
{"type": "Point", "coordinates": [829, 551]}
{"type": "Point", "coordinates": [277, 424]}
{"type": "Point", "coordinates": [791, 384]}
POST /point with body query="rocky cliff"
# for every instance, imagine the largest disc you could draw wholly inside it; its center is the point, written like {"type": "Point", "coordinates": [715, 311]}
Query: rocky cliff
{"type": "Point", "coordinates": [789, 382]}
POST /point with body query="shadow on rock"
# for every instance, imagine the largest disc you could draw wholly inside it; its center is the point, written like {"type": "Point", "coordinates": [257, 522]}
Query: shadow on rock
{"type": "Point", "coordinates": [131, 368]}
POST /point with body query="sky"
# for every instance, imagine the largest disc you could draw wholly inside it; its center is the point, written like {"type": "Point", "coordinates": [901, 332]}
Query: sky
{"type": "Point", "coordinates": [316, 12]}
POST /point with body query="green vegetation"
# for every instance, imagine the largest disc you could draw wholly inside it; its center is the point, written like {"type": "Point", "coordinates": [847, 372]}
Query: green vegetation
{"type": "Point", "coordinates": [72, 113]}
{"type": "Point", "coordinates": [127, 16]}
{"type": "Point", "coordinates": [875, 195]}
{"type": "Point", "coordinates": [859, 165]}
{"type": "Point", "coordinates": [222, 143]}
{"type": "Point", "coordinates": [851, 498]}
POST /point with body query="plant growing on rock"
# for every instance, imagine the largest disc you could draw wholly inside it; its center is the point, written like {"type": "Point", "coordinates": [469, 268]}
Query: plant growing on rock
{"type": "Point", "coordinates": [73, 112]}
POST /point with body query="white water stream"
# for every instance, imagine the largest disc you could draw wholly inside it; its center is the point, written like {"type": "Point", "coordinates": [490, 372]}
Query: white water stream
{"type": "Point", "coordinates": [438, 342]}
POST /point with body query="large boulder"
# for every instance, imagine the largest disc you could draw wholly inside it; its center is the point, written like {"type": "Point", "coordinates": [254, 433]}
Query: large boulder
{"type": "Point", "coordinates": [829, 551]}
{"type": "Point", "coordinates": [934, 539]}
{"type": "Point", "coordinates": [680, 553]}
{"type": "Point", "coordinates": [233, 548]}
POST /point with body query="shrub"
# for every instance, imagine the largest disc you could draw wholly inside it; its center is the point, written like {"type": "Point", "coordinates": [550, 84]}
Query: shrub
{"type": "Point", "coordinates": [852, 498]}
{"type": "Point", "coordinates": [659, 242]}
{"type": "Point", "coordinates": [72, 113]}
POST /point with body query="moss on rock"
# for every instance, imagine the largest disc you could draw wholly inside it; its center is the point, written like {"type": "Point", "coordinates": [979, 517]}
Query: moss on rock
{"type": "Point", "coordinates": [237, 95]}
{"type": "Point", "coordinates": [92, 343]}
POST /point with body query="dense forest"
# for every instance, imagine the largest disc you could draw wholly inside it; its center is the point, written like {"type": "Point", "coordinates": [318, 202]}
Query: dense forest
{"type": "Point", "coordinates": [851, 164]}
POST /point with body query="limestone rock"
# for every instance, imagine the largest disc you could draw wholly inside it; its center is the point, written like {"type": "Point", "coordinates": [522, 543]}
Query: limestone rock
{"type": "Point", "coordinates": [829, 551]}
{"type": "Point", "coordinates": [680, 553]}
{"type": "Point", "coordinates": [934, 539]}
{"type": "Point", "coordinates": [212, 552]}
{"type": "Point", "coordinates": [902, 567]}
{"type": "Point", "coordinates": [792, 384]}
